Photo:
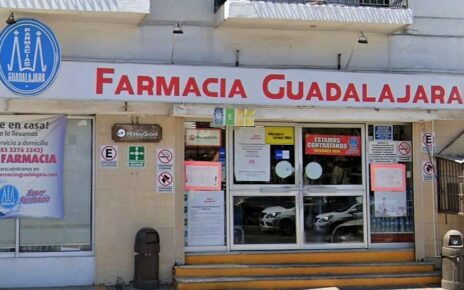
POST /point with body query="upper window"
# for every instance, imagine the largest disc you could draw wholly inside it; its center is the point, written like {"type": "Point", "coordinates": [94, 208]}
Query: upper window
{"type": "Point", "coordinates": [332, 156]}
{"type": "Point", "coordinates": [264, 155]}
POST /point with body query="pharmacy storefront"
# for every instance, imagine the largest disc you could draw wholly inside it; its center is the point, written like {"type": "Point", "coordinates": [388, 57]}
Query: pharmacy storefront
{"type": "Point", "coordinates": [233, 159]}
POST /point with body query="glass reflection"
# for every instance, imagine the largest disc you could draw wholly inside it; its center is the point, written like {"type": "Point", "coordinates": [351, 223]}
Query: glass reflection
{"type": "Point", "coordinates": [333, 219]}
{"type": "Point", "coordinates": [264, 220]}
{"type": "Point", "coordinates": [8, 234]}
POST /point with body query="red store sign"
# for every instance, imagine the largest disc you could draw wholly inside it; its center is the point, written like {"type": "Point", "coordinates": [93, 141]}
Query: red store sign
{"type": "Point", "coordinates": [340, 145]}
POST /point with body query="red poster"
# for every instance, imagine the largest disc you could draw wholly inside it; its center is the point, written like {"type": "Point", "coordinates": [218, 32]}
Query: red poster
{"type": "Point", "coordinates": [341, 145]}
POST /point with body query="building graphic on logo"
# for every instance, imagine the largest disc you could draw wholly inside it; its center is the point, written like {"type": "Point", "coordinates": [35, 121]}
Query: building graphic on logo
{"type": "Point", "coordinates": [9, 199]}
{"type": "Point", "coordinates": [30, 57]}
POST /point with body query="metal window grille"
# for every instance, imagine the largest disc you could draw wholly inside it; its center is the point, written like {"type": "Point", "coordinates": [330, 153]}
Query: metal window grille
{"type": "Point", "coordinates": [450, 175]}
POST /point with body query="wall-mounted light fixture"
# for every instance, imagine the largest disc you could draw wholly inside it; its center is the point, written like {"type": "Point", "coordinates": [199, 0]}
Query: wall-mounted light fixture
{"type": "Point", "coordinates": [362, 38]}
{"type": "Point", "coordinates": [178, 29]}
{"type": "Point", "coordinates": [11, 20]}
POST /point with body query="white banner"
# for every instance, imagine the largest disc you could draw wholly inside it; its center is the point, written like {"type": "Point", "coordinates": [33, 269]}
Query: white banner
{"type": "Point", "coordinates": [206, 218]}
{"type": "Point", "coordinates": [248, 86]}
{"type": "Point", "coordinates": [31, 166]}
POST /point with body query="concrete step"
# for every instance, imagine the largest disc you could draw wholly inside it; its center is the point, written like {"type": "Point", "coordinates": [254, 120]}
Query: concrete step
{"type": "Point", "coordinates": [312, 281]}
{"type": "Point", "coordinates": [237, 270]}
{"type": "Point", "coordinates": [301, 257]}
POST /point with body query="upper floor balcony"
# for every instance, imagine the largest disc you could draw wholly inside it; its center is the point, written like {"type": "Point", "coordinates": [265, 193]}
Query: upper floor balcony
{"type": "Point", "coordinates": [380, 16]}
{"type": "Point", "coordinates": [96, 11]}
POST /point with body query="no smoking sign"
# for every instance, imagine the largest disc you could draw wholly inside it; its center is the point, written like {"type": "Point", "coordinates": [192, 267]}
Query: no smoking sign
{"type": "Point", "coordinates": [165, 156]}
{"type": "Point", "coordinates": [404, 151]}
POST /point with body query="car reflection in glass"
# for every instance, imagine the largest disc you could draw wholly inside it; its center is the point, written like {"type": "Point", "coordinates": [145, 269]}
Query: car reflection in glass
{"type": "Point", "coordinates": [278, 219]}
{"type": "Point", "coordinates": [348, 232]}
{"type": "Point", "coordinates": [327, 222]}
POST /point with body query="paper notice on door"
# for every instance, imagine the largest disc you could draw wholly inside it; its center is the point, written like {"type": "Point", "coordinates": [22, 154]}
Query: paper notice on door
{"type": "Point", "coordinates": [202, 175]}
{"type": "Point", "coordinates": [206, 218]}
{"type": "Point", "coordinates": [252, 161]}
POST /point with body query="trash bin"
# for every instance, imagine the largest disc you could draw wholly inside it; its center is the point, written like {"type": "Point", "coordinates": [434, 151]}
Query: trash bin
{"type": "Point", "coordinates": [452, 261]}
{"type": "Point", "coordinates": [146, 248]}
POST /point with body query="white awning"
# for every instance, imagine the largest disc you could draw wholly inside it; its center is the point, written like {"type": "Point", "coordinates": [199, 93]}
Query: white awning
{"type": "Point", "coordinates": [110, 11]}
{"type": "Point", "coordinates": [305, 16]}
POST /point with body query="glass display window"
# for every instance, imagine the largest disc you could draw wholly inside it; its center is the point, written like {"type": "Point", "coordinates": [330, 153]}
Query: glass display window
{"type": "Point", "coordinates": [391, 212]}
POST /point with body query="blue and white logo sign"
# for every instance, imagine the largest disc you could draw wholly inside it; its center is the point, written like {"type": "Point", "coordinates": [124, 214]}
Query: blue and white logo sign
{"type": "Point", "coordinates": [9, 198]}
{"type": "Point", "coordinates": [30, 57]}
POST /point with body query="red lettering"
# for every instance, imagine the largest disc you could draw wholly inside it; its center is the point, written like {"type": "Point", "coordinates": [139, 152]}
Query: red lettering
{"type": "Point", "coordinates": [365, 95]}
{"type": "Point", "coordinates": [333, 92]}
{"type": "Point", "coordinates": [206, 90]}
{"type": "Point", "coordinates": [266, 83]}
{"type": "Point", "coordinates": [124, 85]}
{"type": "Point", "coordinates": [455, 95]}
{"type": "Point", "coordinates": [407, 95]}
{"type": "Point", "coordinates": [298, 95]}
{"type": "Point", "coordinates": [314, 92]}
{"type": "Point", "coordinates": [52, 159]}
{"type": "Point", "coordinates": [102, 80]}
{"type": "Point", "coordinates": [438, 94]}
{"type": "Point", "coordinates": [237, 89]}
{"type": "Point", "coordinates": [420, 95]}
{"type": "Point", "coordinates": [191, 87]}
{"type": "Point", "coordinates": [145, 84]}
{"type": "Point", "coordinates": [351, 93]}
{"type": "Point", "coordinates": [163, 88]}
{"type": "Point", "coordinates": [386, 94]}
{"type": "Point", "coordinates": [222, 87]}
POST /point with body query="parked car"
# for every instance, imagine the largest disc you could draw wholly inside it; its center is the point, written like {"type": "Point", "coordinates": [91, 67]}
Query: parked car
{"type": "Point", "coordinates": [327, 222]}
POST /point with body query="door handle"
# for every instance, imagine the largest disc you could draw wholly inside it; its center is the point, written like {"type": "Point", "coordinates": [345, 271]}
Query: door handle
{"type": "Point", "coordinates": [318, 189]}
{"type": "Point", "coordinates": [277, 189]}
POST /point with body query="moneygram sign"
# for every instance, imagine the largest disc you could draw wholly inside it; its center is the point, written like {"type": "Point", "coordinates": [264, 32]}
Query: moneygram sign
{"type": "Point", "coordinates": [30, 57]}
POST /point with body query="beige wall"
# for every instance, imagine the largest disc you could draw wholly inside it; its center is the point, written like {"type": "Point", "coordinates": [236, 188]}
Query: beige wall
{"type": "Point", "coordinates": [431, 225]}
{"type": "Point", "coordinates": [126, 200]}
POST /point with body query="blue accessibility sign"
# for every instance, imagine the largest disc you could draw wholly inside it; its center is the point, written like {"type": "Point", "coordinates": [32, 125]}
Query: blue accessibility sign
{"type": "Point", "coordinates": [30, 57]}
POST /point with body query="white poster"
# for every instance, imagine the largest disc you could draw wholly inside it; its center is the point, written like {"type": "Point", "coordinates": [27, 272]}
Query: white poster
{"type": "Point", "coordinates": [252, 161]}
{"type": "Point", "coordinates": [382, 152]}
{"type": "Point", "coordinates": [206, 218]}
{"type": "Point", "coordinates": [31, 166]}
{"type": "Point", "coordinates": [390, 204]}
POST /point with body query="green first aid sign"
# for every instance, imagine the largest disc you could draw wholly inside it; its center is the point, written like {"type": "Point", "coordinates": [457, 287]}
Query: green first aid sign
{"type": "Point", "coordinates": [136, 156]}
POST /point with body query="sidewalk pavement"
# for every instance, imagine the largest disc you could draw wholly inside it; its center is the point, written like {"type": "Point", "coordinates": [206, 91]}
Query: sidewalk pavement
{"type": "Point", "coordinates": [171, 287]}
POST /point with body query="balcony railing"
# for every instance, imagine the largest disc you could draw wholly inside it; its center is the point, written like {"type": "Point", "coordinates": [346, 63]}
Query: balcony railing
{"type": "Point", "coordinates": [398, 4]}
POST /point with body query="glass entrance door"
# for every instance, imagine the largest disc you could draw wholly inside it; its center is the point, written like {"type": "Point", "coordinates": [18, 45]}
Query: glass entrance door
{"type": "Point", "coordinates": [333, 186]}
{"type": "Point", "coordinates": [264, 189]}
{"type": "Point", "coordinates": [296, 186]}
